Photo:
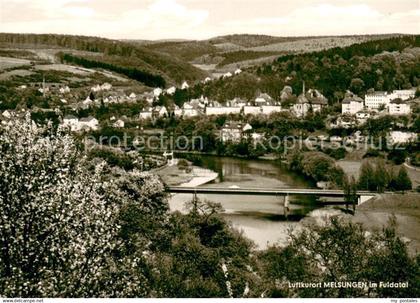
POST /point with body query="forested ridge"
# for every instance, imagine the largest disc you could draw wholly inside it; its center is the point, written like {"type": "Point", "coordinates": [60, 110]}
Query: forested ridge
{"type": "Point", "coordinates": [386, 64]}
{"type": "Point", "coordinates": [133, 73]}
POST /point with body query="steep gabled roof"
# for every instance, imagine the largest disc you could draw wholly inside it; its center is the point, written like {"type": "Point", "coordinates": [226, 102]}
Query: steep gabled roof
{"type": "Point", "coordinates": [312, 96]}
{"type": "Point", "coordinates": [351, 97]}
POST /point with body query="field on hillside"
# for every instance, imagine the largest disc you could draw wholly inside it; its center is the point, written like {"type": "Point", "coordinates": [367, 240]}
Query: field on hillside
{"type": "Point", "coordinates": [8, 62]}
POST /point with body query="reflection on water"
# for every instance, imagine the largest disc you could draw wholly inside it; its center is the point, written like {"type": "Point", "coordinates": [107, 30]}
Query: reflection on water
{"type": "Point", "coordinates": [261, 218]}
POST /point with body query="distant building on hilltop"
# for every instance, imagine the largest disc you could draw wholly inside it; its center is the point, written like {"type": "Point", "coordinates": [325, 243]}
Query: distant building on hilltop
{"type": "Point", "coordinates": [159, 111]}
{"type": "Point", "coordinates": [171, 90]}
{"type": "Point", "coordinates": [119, 124]}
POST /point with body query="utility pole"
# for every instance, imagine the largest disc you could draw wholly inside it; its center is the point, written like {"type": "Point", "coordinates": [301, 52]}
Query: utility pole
{"type": "Point", "coordinates": [286, 205]}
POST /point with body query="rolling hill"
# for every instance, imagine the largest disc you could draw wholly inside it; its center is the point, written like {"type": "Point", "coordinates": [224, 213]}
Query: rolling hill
{"type": "Point", "coordinates": [109, 53]}
{"type": "Point", "coordinates": [379, 64]}
{"type": "Point", "coordinates": [225, 53]}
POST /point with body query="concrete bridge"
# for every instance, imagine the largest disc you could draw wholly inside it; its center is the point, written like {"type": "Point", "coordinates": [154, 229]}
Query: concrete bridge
{"type": "Point", "coordinates": [362, 196]}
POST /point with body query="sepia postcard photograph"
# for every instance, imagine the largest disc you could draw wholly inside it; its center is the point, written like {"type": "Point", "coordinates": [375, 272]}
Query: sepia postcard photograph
{"type": "Point", "coordinates": [242, 149]}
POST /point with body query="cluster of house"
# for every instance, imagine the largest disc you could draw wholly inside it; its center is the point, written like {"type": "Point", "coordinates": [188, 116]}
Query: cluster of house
{"type": "Point", "coordinates": [229, 74]}
{"type": "Point", "coordinates": [263, 104]}
{"type": "Point", "coordinates": [395, 103]}
{"type": "Point", "coordinates": [46, 87]}
{"type": "Point", "coordinates": [103, 87]}
{"type": "Point", "coordinates": [83, 124]}
{"type": "Point", "coordinates": [234, 132]}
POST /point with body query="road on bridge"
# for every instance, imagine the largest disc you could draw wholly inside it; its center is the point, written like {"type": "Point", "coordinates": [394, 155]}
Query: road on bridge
{"type": "Point", "coordinates": [264, 191]}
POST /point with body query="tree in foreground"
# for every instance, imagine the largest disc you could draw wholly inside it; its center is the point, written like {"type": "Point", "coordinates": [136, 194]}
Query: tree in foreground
{"type": "Point", "coordinates": [58, 221]}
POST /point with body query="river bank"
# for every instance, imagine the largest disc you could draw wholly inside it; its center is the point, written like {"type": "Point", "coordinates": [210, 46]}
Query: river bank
{"type": "Point", "coordinates": [261, 218]}
{"type": "Point", "coordinates": [190, 176]}
{"type": "Point", "coordinates": [375, 213]}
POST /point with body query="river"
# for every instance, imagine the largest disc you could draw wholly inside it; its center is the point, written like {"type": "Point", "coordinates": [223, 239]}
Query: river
{"type": "Point", "coordinates": [260, 218]}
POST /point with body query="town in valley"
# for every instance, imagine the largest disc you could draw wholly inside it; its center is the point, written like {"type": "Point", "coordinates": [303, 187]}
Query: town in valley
{"type": "Point", "coordinates": [235, 166]}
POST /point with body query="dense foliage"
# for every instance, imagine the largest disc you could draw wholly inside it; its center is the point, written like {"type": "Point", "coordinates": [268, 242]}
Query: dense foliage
{"type": "Point", "coordinates": [317, 166]}
{"type": "Point", "coordinates": [243, 55]}
{"type": "Point", "coordinates": [377, 176]}
{"type": "Point", "coordinates": [58, 221]}
{"type": "Point", "coordinates": [339, 252]}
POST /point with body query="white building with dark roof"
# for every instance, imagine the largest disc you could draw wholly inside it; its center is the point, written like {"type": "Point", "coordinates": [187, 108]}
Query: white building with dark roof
{"type": "Point", "coordinates": [377, 99]}
{"type": "Point", "coordinates": [399, 107]}
{"type": "Point", "coordinates": [88, 123]}
{"type": "Point", "coordinates": [146, 114]}
{"type": "Point", "coordinates": [232, 131]}
{"type": "Point", "coordinates": [351, 104]}
{"type": "Point", "coordinates": [312, 100]}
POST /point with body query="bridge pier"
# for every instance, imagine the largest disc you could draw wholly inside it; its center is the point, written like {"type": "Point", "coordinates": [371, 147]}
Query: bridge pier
{"type": "Point", "coordinates": [286, 203]}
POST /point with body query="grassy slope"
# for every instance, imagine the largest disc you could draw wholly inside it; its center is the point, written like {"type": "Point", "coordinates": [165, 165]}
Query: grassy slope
{"type": "Point", "coordinates": [188, 50]}
{"type": "Point", "coordinates": [375, 213]}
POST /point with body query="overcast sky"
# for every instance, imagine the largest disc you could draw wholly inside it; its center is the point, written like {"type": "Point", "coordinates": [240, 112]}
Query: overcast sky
{"type": "Point", "coordinates": [201, 19]}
